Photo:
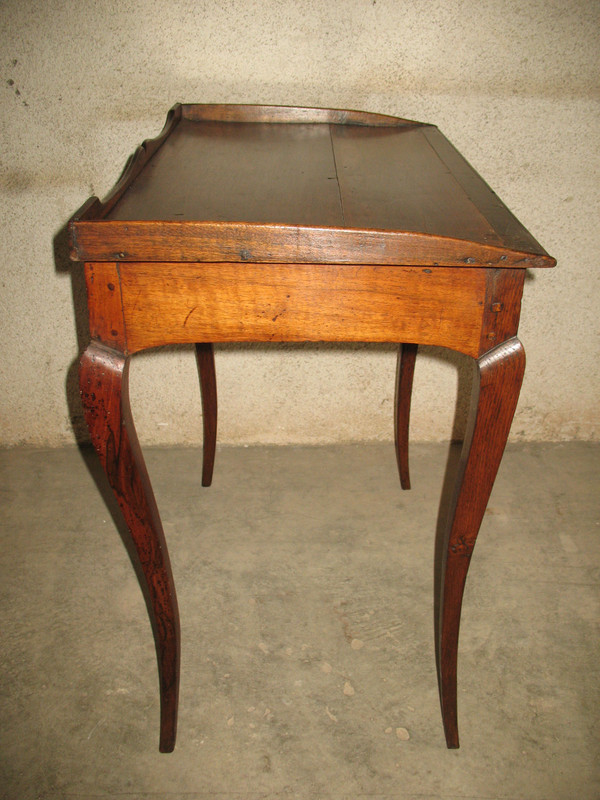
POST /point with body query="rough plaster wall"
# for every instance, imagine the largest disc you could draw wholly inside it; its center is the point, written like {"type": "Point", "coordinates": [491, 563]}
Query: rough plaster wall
{"type": "Point", "coordinates": [513, 84]}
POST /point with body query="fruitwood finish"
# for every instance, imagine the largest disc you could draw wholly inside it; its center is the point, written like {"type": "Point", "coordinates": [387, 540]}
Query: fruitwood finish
{"type": "Point", "coordinates": [262, 223]}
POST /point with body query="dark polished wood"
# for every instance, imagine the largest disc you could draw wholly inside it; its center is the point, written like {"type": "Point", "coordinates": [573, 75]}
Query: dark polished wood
{"type": "Point", "coordinates": [407, 355]}
{"type": "Point", "coordinates": [494, 400]}
{"type": "Point", "coordinates": [262, 223]}
{"type": "Point", "coordinates": [105, 396]}
{"type": "Point", "coordinates": [205, 359]}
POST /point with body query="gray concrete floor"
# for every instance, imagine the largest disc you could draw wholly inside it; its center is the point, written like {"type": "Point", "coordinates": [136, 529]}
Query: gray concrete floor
{"type": "Point", "coordinates": [304, 578]}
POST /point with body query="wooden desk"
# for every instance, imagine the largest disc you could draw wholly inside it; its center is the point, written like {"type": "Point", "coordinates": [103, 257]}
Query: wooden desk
{"type": "Point", "coordinates": [255, 223]}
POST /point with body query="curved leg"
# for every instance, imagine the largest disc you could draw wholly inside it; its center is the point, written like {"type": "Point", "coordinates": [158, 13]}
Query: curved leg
{"type": "Point", "coordinates": [407, 355]}
{"type": "Point", "coordinates": [205, 359]}
{"type": "Point", "coordinates": [105, 396]}
{"type": "Point", "coordinates": [495, 394]}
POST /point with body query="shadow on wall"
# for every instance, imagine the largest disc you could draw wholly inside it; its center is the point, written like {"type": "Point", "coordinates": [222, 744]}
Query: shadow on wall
{"type": "Point", "coordinates": [63, 264]}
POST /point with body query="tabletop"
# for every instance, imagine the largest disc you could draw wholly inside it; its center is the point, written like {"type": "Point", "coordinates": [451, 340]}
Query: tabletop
{"type": "Point", "coordinates": [277, 184]}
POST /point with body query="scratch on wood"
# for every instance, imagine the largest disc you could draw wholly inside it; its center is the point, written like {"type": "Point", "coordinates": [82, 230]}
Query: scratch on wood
{"type": "Point", "coordinates": [189, 315]}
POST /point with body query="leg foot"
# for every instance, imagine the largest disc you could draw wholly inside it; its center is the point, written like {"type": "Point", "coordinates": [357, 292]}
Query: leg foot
{"type": "Point", "coordinates": [407, 355]}
{"type": "Point", "coordinates": [205, 359]}
{"type": "Point", "coordinates": [105, 396]}
{"type": "Point", "coordinates": [495, 394]}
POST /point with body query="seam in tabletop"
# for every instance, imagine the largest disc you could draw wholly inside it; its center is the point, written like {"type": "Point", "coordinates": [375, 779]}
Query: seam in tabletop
{"type": "Point", "coordinates": [337, 177]}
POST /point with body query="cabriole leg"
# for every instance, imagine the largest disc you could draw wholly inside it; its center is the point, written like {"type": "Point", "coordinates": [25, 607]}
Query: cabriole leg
{"type": "Point", "coordinates": [205, 359]}
{"type": "Point", "coordinates": [407, 355]}
{"type": "Point", "coordinates": [105, 396]}
{"type": "Point", "coordinates": [495, 394]}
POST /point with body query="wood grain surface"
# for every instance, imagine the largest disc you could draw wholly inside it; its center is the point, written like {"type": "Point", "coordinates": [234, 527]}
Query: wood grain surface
{"type": "Point", "coordinates": [177, 303]}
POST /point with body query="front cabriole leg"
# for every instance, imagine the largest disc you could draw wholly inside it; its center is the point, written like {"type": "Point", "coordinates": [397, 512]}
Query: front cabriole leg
{"type": "Point", "coordinates": [493, 402]}
{"type": "Point", "coordinates": [105, 396]}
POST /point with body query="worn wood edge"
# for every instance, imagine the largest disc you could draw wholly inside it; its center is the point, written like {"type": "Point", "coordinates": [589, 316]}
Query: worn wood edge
{"type": "Point", "coordinates": [173, 240]}
{"type": "Point", "coordinates": [96, 209]}
{"type": "Point", "coordinates": [219, 112]}
{"type": "Point", "coordinates": [504, 291]}
{"type": "Point", "coordinates": [488, 203]}
{"type": "Point", "coordinates": [105, 302]}
{"type": "Point", "coordinates": [91, 209]}
{"type": "Point", "coordinates": [139, 159]}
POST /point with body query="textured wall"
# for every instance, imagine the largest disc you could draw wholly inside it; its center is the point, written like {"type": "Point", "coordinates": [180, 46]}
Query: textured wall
{"type": "Point", "coordinates": [513, 84]}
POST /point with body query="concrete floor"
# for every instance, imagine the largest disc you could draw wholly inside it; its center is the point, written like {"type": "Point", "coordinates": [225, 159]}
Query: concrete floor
{"type": "Point", "coordinates": [305, 588]}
